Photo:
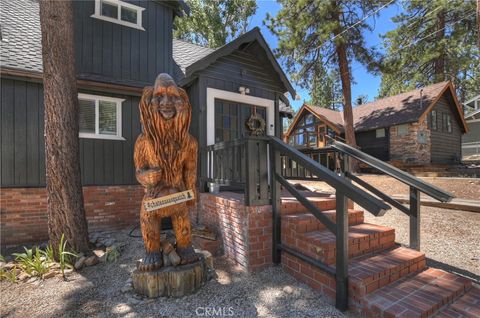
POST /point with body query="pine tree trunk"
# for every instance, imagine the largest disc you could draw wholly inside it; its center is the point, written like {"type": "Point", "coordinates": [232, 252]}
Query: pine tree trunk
{"type": "Point", "coordinates": [440, 35]}
{"type": "Point", "coordinates": [347, 94]}
{"type": "Point", "coordinates": [66, 214]}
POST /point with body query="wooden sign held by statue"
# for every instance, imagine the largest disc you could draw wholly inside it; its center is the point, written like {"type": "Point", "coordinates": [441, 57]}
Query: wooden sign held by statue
{"type": "Point", "coordinates": [166, 165]}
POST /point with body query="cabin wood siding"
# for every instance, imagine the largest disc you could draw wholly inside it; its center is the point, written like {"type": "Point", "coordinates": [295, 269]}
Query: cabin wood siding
{"type": "Point", "coordinates": [22, 151]}
{"type": "Point", "coordinates": [110, 52]}
{"type": "Point", "coordinates": [377, 147]}
{"type": "Point", "coordinates": [446, 147]}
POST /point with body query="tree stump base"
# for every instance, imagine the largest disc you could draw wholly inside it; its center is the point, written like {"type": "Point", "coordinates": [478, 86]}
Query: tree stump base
{"type": "Point", "coordinates": [172, 281]}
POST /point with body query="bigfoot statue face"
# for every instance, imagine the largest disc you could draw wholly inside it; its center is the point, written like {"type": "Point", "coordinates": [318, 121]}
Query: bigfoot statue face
{"type": "Point", "coordinates": [165, 163]}
{"type": "Point", "coordinates": [166, 98]}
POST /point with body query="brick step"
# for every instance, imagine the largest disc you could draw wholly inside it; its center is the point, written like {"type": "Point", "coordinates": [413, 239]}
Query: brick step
{"type": "Point", "coordinates": [307, 222]}
{"type": "Point", "coordinates": [369, 273]}
{"type": "Point", "coordinates": [419, 295]}
{"type": "Point", "coordinates": [366, 274]}
{"type": "Point", "coordinates": [362, 239]}
{"type": "Point", "coordinates": [290, 205]}
{"type": "Point", "coordinates": [466, 306]}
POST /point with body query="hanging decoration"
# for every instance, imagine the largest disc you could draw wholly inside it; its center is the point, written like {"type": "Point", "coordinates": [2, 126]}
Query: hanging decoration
{"type": "Point", "coordinates": [256, 124]}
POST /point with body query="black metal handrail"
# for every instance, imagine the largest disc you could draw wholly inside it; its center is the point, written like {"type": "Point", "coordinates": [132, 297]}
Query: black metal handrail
{"type": "Point", "coordinates": [394, 172]}
{"type": "Point", "coordinates": [344, 189]}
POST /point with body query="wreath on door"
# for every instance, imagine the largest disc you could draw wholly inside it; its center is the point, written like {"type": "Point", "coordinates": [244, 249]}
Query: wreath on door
{"type": "Point", "coordinates": [256, 124]}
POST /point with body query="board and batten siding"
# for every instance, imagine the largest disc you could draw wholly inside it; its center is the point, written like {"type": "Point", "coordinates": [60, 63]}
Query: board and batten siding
{"type": "Point", "coordinates": [446, 147]}
{"type": "Point", "coordinates": [111, 52]}
{"type": "Point", "coordinates": [377, 147]}
{"type": "Point", "coordinates": [22, 151]}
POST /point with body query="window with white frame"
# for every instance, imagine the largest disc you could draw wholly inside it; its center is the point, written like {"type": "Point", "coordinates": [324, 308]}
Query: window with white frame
{"type": "Point", "coordinates": [119, 12]}
{"type": "Point", "coordinates": [100, 117]}
{"type": "Point", "coordinates": [380, 133]}
{"type": "Point", "coordinates": [402, 130]}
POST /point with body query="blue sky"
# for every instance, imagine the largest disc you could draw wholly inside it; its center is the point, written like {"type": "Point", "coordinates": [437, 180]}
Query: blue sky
{"type": "Point", "coordinates": [366, 83]}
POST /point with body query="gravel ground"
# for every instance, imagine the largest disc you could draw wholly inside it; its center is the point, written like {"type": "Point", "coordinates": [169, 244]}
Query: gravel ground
{"type": "Point", "coordinates": [96, 292]}
{"type": "Point", "coordinates": [449, 238]}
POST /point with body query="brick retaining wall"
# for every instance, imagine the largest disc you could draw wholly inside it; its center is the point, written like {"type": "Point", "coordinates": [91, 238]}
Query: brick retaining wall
{"type": "Point", "coordinates": [23, 211]}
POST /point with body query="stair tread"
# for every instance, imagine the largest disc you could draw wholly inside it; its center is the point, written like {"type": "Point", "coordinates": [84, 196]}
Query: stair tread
{"type": "Point", "coordinates": [371, 272]}
{"type": "Point", "coordinates": [467, 305]}
{"type": "Point", "coordinates": [309, 215]}
{"type": "Point", "coordinates": [358, 232]}
{"type": "Point", "coordinates": [419, 295]}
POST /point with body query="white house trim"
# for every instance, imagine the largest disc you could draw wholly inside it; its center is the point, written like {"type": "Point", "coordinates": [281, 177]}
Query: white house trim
{"type": "Point", "coordinates": [97, 99]}
{"type": "Point", "coordinates": [213, 93]}
{"type": "Point", "coordinates": [118, 20]}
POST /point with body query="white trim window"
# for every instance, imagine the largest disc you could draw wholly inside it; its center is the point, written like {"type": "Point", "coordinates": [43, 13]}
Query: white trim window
{"type": "Point", "coordinates": [100, 117]}
{"type": "Point", "coordinates": [402, 130]}
{"type": "Point", "coordinates": [119, 12]}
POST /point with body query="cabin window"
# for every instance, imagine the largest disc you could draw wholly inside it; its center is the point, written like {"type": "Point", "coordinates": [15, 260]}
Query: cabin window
{"type": "Point", "coordinates": [402, 130]}
{"type": "Point", "coordinates": [380, 133]}
{"type": "Point", "coordinates": [447, 122]}
{"type": "Point", "coordinates": [432, 121]}
{"type": "Point", "coordinates": [100, 117]}
{"type": "Point", "coordinates": [119, 12]}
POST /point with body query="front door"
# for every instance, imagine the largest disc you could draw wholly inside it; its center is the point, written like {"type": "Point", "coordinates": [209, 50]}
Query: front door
{"type": "Point", "coordinates": [231, 118]}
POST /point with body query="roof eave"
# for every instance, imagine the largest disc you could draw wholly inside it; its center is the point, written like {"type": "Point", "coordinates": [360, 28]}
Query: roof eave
{"type": "Point", "coordinates": [228, 48]}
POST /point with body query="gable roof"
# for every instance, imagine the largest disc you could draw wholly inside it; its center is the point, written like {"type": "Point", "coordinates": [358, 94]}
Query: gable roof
{"type": "Point", "coordinates": [399, 109]}
{"type": "Point", "coordinates": [201, 60]}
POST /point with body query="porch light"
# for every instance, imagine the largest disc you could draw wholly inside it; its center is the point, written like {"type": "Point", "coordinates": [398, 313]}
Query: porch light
{"type": "Point", "coordinates": [244, 90]}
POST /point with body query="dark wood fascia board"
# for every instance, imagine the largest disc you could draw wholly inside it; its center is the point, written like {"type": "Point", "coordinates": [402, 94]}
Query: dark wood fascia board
{"type": "Point", "coordinates": [458, 108]}
{"type": "Point", "coordinates": [180, 8]}
{"type": "Point", "coordinates": [81, 83]}
{"type": "Point", "coordinates": [252, 35]}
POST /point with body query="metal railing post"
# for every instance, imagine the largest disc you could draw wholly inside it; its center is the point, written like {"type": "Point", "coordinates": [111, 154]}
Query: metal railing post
{"type": "Point", "coordinates": [414, 218]}
{"type": "Point", "coordinates": [341, 276]}
{"type": "Point", "coordinates": [275, 163]}
{"type": "Point", "coordinates": [341, 301]}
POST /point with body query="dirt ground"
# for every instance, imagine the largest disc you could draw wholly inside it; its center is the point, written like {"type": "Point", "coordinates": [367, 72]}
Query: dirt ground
{"type": "Point", "coordinates": [465, 188]}
{"type": "Point", "coordinates": [96, 292]}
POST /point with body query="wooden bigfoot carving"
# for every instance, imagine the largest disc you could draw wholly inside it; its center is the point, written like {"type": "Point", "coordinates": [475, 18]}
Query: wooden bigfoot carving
{"type": "Point", "coordinates": [166, 163]}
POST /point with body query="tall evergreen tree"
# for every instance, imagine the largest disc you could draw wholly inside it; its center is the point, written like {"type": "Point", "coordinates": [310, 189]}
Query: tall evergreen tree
{"type": "Point", "coordinates": [213, 22]}
{"type": "Point", "coordinates": [326, 90]}
{"type": "Point", "coordinates": [434, 41]}
{"type": "Point", "coordinates": [326, 33]}
{"type": "Point", "coordinates": [66, 214]}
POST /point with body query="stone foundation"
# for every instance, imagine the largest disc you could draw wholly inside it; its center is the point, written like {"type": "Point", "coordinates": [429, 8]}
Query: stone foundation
{"type": "Point", "coordinates": [410, 148]}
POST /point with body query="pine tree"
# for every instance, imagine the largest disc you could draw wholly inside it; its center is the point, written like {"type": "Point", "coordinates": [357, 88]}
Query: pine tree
{"type": "Point", "coordinates": [214, 22]}
{"type": "Point", "coordinates": [325, 33]}
{"type": "Point", "coordinates": [434, 41]}
{"type": "Point", "coordinates": [326, 90]}
{"type": "Point", "coordinates": [66, 214]}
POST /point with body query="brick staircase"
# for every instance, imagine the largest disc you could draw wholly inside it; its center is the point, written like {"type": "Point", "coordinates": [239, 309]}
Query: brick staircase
{"type": "Point", "coordinates": [385, 279]}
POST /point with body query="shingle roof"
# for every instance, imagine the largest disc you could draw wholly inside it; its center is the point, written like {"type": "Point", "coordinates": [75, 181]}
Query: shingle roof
{"type": "Point", "coordinates": [185, 54]}
{"type": "Point", "coordinates": [394, 110]}
{"type": "Point", "coordinates": [21, 43]}
{"type": "Point", "coordinates": [397, 109]}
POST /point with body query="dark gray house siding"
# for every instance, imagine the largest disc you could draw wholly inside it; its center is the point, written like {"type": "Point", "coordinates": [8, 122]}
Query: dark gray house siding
{"type": "Point", "coordinates": [22, 161]}
{"type": "Point", "coordinates": [110, 52]}
{"type": "Point", "coordinates": [446, 147]}
{"type": "Point", "coordinates": [377, 147]}
{"type": "Point", "coordinates": [472, 138]}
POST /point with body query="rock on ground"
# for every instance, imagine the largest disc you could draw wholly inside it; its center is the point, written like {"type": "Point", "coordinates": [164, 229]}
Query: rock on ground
{"type": "Point", "coordinates": [97, 291]}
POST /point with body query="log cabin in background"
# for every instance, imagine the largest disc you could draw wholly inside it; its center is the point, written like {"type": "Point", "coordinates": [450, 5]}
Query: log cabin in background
{"type": "Point", "coordinates": [420, 127]}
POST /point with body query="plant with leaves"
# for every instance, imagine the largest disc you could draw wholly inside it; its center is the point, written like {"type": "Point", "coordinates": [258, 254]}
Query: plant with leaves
{"type": "Point", "coordinates": [214, 22]}
{"type": "Point", "coordinates": [434, 41]}
{"type": "Point", "coordinates": [65, 258]}
{"type": "Point", "coordinates": [316, 34]}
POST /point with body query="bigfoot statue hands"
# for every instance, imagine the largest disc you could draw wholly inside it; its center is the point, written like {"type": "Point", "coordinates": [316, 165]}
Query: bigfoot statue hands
{"type": "Point", "coordinates": [166, 163]}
